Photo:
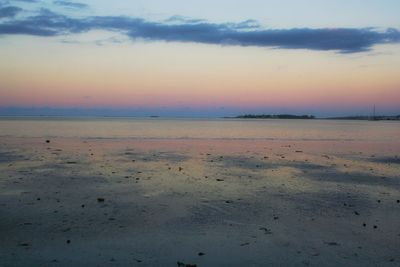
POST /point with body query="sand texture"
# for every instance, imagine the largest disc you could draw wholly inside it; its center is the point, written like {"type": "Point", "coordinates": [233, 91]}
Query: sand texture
{"type": "Point", "coordinates": [111, 202]}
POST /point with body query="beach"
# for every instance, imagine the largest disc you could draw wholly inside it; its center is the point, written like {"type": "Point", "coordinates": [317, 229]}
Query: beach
{"type": "Point", "coordinates": [134, 192]}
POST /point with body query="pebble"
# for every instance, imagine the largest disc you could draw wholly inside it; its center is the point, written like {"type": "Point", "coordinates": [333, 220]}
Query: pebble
{"type": "Point", "coordinates": [332, 243]}
{"type": "Point", "coordinates": [266, 230]}
{"type": "Point", "coordinates": [181, 264]}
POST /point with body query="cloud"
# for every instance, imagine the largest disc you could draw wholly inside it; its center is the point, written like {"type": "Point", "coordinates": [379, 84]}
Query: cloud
{"type": "Point", "coordinates": [47, 23]}
{"type": "Point", "coordinates": [27, 1]}
{"type": "Point", "coordinates": [183, 19]}
{"type": "Point", "coordinates": [9, 11]}
{"type": "Point", "coordinates": [247, 24]}
{"type": "Point", "coordinates": [182, 29]}
{"type": "Point", "coordinates": [70, 4]}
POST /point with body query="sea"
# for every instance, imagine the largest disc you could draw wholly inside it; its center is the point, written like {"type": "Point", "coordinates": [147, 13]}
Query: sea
{"type": "Point", "coordinates": [200, 128]}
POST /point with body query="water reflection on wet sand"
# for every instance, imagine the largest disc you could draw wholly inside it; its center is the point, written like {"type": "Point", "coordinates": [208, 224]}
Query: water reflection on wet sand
{"type": "Point", "coordinates": [158, 202]}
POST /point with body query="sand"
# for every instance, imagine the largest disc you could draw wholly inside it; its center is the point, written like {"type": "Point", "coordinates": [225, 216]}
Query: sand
{"type": "Point", "coordinates": [138, 202]}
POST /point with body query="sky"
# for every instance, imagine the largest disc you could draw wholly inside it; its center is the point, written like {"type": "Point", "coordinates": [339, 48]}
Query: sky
{"type": "Point", "coordinates": [199, 58]}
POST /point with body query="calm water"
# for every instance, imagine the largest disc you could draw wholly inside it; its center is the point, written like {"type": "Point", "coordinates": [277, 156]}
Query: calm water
{"type": "Point", "coordinates": [160, 128]}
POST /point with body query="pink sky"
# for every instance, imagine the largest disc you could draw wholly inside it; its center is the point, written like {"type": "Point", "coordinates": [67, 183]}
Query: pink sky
{"type": "Point", "coordinates": [45, 72]}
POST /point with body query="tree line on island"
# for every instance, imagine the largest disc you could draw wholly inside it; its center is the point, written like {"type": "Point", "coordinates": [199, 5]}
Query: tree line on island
{"type": "Point", "coordinates": [309, 117]}
{"type": "Point", "coordinates": [278, 116]}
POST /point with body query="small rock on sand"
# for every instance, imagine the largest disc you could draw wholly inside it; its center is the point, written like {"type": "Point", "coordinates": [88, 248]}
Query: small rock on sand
{"type": "Point", "coordinates": [181, 264]}
{"type": "Point", "coordinates": [266, 230]}
{"type": "Point", "coordinates": [332, 243]}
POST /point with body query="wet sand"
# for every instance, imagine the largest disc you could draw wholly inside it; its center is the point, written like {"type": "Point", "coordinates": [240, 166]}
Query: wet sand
{"type": "Point", "coordinates": [139, 202]}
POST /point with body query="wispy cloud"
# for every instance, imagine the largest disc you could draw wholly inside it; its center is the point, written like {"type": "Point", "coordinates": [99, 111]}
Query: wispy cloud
{"type": "Point", "coordinates": [27, 1]}
{"type": "Point", "coordinates": [182, 29]}
{"type": "Point", "coordinates": [183, 19]}
{"type": "Point", "coordinates": [70, 4]}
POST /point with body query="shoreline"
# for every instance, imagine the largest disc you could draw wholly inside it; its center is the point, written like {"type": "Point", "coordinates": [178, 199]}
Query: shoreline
{"type": "Point", "coordinates": [241, 117]}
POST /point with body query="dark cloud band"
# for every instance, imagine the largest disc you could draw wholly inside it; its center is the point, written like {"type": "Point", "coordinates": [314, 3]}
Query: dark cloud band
{"type": "Point", "coordinates": [247, 33]}
{"type": "Point", "coordinates": [9, 11]}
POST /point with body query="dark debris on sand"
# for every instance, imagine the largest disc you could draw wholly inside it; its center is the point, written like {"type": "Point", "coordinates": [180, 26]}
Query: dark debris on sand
{"type": "Point", "coordinates": [181, 264]}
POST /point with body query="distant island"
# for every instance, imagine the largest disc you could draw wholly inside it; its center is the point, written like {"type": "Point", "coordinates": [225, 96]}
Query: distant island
{"type": "Point", "coordinates": [309, 117]}
{"type": "Point", "coordinates": [279, 116]}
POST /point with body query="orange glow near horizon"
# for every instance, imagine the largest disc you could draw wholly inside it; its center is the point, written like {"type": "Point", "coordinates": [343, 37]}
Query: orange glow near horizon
{"type": "Point", "coordinates": [49, 73]}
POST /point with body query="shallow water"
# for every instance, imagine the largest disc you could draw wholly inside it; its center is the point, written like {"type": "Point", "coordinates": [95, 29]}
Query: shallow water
{"type": "Point", "coordinates": [159, 128]}
{"type": "Point", "coordinates": [206, 192]}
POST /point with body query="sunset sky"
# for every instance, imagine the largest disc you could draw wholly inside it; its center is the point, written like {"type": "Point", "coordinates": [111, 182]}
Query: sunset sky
{"type": "Point", "coordinates": [199, 58]}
